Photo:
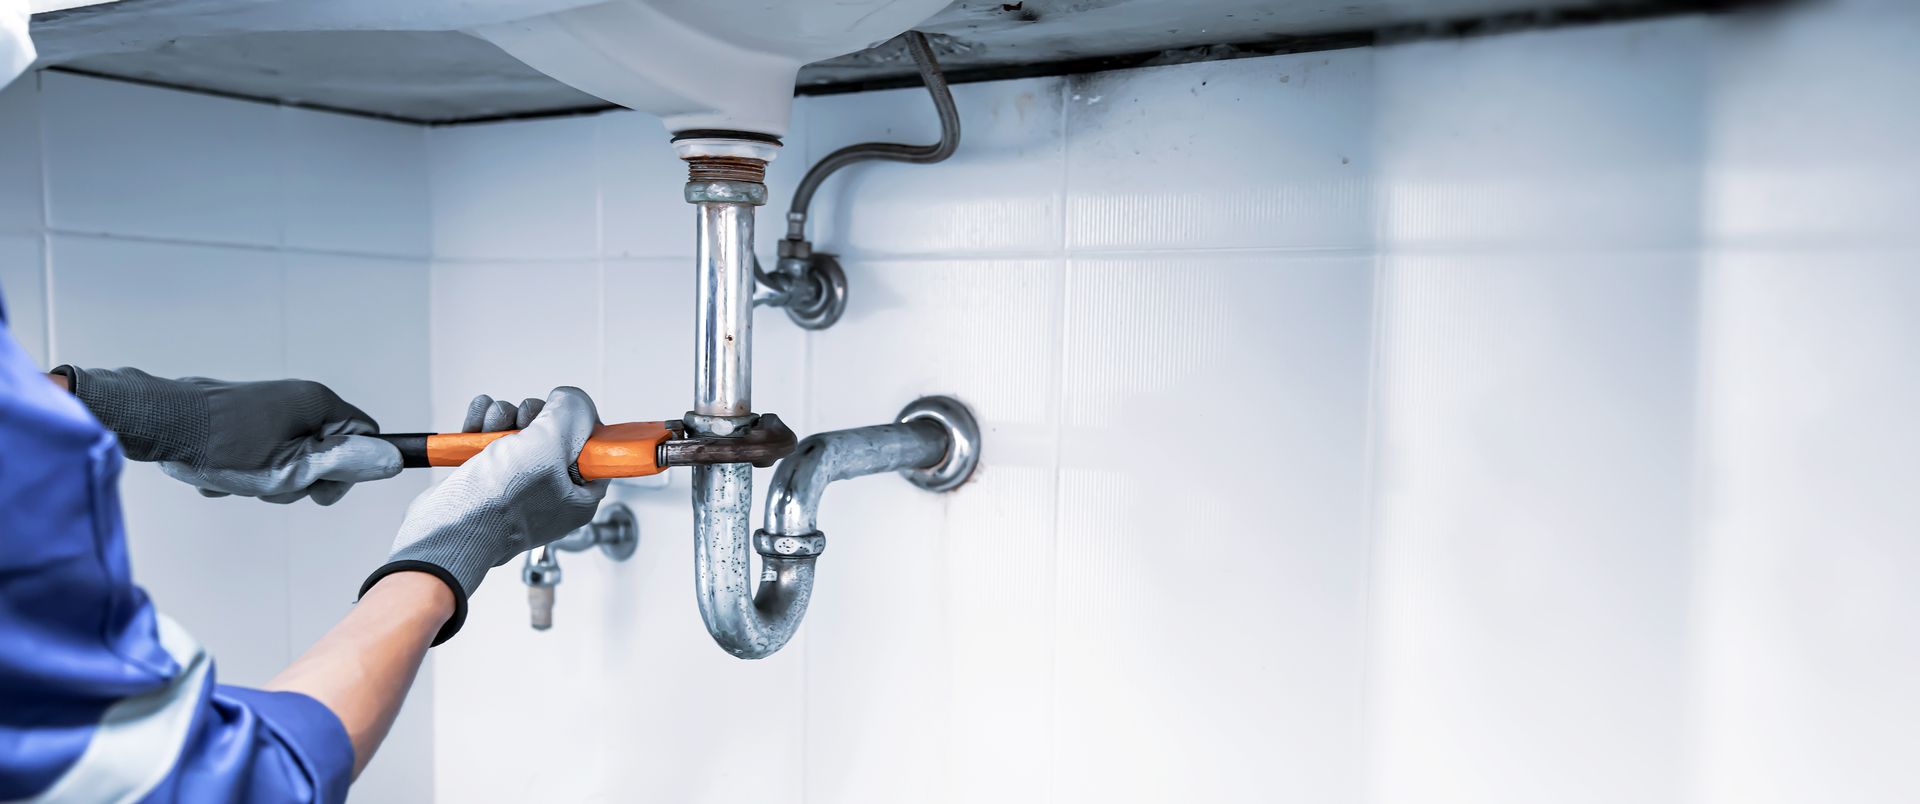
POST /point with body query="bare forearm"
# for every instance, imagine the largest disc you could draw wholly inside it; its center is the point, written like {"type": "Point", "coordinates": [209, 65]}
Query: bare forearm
{"type": "Point", "coordinates": [60, 380]}
{"type": "Point", "coordinates": [363, 667]}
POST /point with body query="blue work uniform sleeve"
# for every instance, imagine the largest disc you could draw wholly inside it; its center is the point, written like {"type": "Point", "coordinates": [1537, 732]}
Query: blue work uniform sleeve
{"type": "Point", "coordinates": [102, 698]}
{"type": "Point", "coordinates": [257, 746]}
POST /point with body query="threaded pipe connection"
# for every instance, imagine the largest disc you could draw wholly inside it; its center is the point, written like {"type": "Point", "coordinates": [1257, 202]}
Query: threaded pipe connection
{"type": "Point", "coordinates": [726, 168]}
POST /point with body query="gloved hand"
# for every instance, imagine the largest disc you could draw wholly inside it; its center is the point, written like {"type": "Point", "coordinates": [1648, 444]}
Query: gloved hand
{"type": "Point", "coordinates": [278, 440]}
{"type": "Point", "coordinates": [517, 494]}
{"type": "Point", "coordinates": [487, 416]}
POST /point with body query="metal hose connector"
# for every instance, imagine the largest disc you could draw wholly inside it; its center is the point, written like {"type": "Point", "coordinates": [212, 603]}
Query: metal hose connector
{"type": "Point", "coordinates": [812, 287]}
{"type": "Point", "coordinates": [936, 82]}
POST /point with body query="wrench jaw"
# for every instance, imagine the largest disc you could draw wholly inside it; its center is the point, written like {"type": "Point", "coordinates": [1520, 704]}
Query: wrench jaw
{"type": "Point", "coordinates": [762, 443]}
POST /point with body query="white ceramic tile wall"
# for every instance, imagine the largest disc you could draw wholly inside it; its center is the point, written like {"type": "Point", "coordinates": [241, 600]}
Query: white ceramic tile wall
{"type": "Point", "coordinates": [22, 271]}
{"type": "Point", "coordinates": [1807, 528]}
{"type": "Point", "coordinates": [1270, 153]}
{"type": "Point", "coordinates": [353, 185]}
{"type": "Point", "coordinates": [21, 199]}
{"type": "Point", "coordinates": [1243, 565]}
{"type": "Point", "coordinates": [1551, 140]}
{"type": "Point", "coordinates": [196, 168]}
{"type": "Point", "coordinates": [1539, 406]}
{"type": "Point", "coordinates": [23, 291]}
{"type": "Point", "coordinates": [1534, 545]}
{"type": "Point", "coordinates": [1806, 149]}
{"type": "Point", "coordinates": [195, 235]}
{"type": "Point", "coordinates": [1808, 515]}
{"type": "Point", "coordinates": [500, 192]}
{"type": "Point", "coordinates": [1540, 193]}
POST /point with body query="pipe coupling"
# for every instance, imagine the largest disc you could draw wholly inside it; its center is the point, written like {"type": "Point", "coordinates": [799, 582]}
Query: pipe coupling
{"type": "Point", "coordinates": [777, 545]}
{"type": "Point", "coordinates": [963, 442]}
{"type": "Point", "coordinates": [726, 192]}
{"type": "Point", "coordinates": [720, 426]}
{"type": "Point", "coordinates": [726, 167]}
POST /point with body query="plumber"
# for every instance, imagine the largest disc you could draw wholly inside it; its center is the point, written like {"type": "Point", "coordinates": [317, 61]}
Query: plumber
{"type": "Point", "coordinates": [102, 698]}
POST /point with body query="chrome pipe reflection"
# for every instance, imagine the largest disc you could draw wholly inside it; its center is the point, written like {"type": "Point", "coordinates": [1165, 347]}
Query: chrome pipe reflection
{"type": "Point", "coordinates": [723, 295]}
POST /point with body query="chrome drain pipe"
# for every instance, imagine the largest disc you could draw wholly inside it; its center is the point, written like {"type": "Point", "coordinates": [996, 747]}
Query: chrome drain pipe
{"type": "Point", "coordinates": [725, 181]}
{"type": "Point", "coordinates": [725, 188]}
{"type": "Point", "coordinates": [935, 442]}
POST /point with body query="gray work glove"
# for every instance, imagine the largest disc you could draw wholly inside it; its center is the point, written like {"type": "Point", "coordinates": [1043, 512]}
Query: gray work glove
{"type": "Point", "coordinates": [517, 494]}
{"type": "Point", "coordinates": [279, 440]}
{"type": "Point", "coordinates": [487, 416]}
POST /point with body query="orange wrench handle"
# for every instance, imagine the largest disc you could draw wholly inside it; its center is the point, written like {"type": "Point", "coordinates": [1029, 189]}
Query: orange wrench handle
{"type": "Point", "coordinates": [615, 450]}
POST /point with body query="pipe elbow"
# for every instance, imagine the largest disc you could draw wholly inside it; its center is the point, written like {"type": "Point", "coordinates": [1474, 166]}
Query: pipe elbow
{"type": "Point", "coordinates": [793, 500]}
{"type": "Point", "coordinates": [935, 442]}
{"type": "Point", "coordinates": [758, 627]}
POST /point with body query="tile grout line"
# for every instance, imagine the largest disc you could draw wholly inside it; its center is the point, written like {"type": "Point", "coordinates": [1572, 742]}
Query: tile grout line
{"type": "Point", "coordinates": [600, 262]}
{"type": "Point", "coordinates": [282, 200]}
{"type": "Point", "coordinates": [1057, 250]}
{"type": "Point", "coordinates": [430, 669]}
{"type": "Point", "coordinates": [1697, 659]}
{"type": "Point", "coordinates": [1063, 244]}
{"type": "Point", "coordinates": [432, 244]}
{"type": "Point", "coordinates": [283, 196]}
{"type": "Point", "coordinates": [1063, 330]}
{"type": "Point", "coordinates": [1380, 317]}
{"type": "Point", "coordinates": [285, 514]}
{"type": "Point", "coordinates": [600, 220]}
{"type": "Point", "coordinates": [282, 186]}
{"type": "Point", "coordinates": [215, 244]}
{"type": "Point", "coordinates": [1697, 600]}
{"type": "Point", "coordinates": [46, 219]}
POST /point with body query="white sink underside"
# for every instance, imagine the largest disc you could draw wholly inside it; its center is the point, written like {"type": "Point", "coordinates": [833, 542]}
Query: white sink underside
{"type": "Point", "coordinates": [410, 59]}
